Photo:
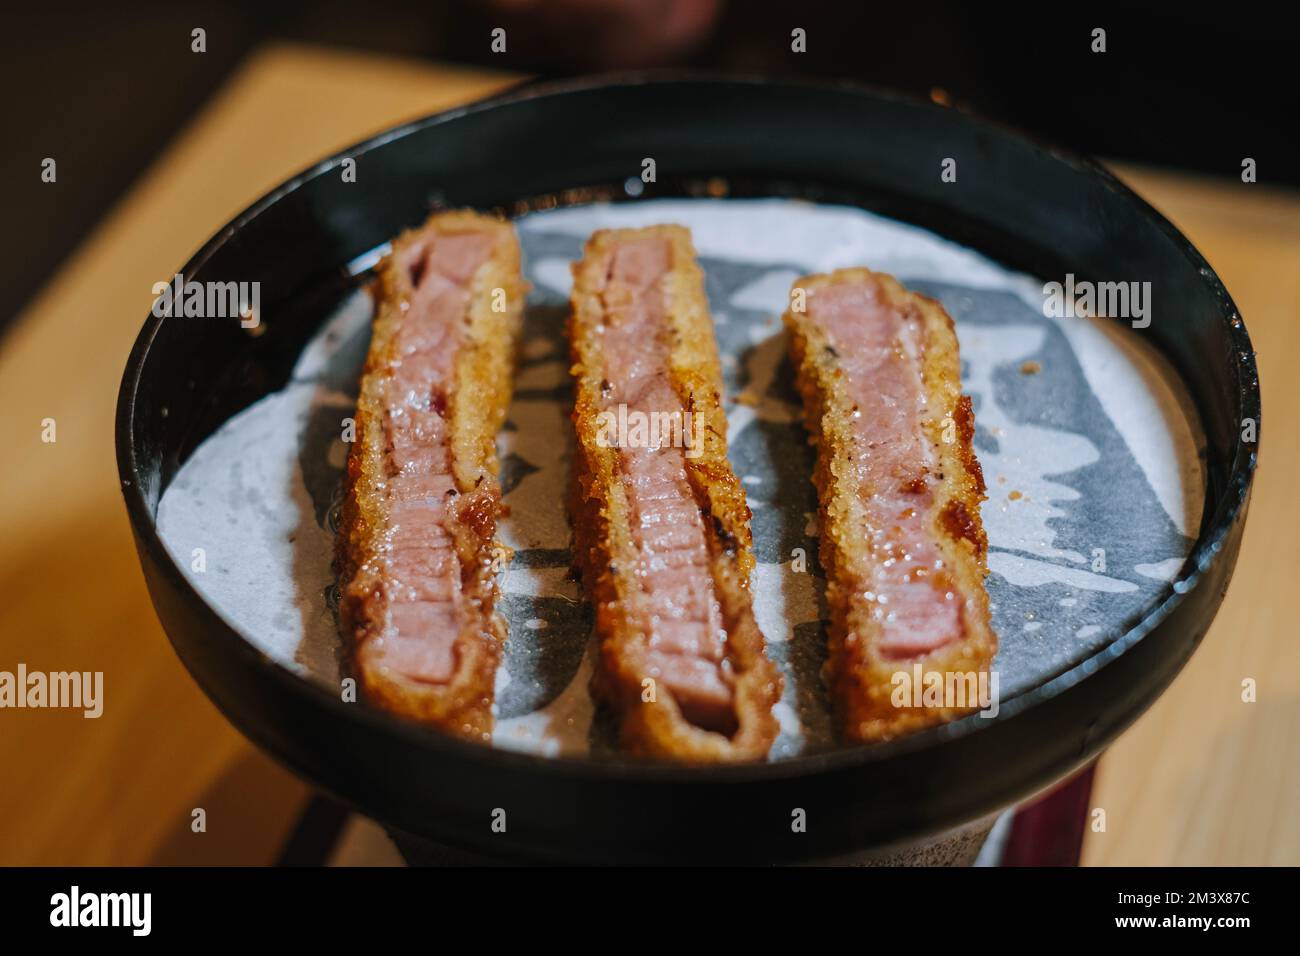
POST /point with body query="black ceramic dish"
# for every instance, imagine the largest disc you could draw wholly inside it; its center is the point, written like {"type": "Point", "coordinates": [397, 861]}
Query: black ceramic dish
{"type": "Point", "coordinates": [1029, 206]}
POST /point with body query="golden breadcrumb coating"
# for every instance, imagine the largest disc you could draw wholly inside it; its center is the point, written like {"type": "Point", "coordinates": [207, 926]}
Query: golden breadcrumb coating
{"type": "Point", "coordinates": [477, 401]}
{"type": "Point", "coordinates": [605, 552]}
{"type": "Point", "coordinates": [858, 676]}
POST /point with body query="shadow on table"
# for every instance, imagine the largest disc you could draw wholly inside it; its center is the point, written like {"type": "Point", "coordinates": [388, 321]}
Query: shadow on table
{"type": "Point", "coordinates": [249, 811]}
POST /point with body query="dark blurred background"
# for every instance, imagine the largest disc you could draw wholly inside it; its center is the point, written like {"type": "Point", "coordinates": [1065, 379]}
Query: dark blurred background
{"type": "Point", "coordinates": [104, 87]}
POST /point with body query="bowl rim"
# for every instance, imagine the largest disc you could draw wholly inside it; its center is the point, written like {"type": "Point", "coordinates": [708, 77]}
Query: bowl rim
{"type": "Point", "coordinates": [1217, 520]}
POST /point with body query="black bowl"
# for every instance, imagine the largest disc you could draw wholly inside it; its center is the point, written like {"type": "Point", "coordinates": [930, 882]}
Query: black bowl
{"type": "Point", "coordinates": [1029, 206]}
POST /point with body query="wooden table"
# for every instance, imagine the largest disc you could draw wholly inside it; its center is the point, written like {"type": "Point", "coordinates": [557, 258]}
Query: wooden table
{"type": "Point", "coordinates": [1202, 778]}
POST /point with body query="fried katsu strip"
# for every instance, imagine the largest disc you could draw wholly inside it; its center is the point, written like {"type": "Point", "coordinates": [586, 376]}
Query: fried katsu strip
{"type": "Point", "coordinates": [661, 527]}
{"type": "Point", "coordinates": [901, 538]}
{"type": "Point", "coordinates": [416, 543]}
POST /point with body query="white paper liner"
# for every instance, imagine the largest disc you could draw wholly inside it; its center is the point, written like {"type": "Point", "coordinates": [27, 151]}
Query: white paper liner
{"type": "Point", "coordinates": [1091, 453]}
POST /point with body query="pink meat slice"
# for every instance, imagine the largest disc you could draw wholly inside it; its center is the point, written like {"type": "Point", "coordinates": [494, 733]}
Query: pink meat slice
{"type": "Point", "coordinates": [422, 572]}
{"type": "Point", "coordinates": [877, 345]}
{"type": "Point", "coordinates": [687, 638]}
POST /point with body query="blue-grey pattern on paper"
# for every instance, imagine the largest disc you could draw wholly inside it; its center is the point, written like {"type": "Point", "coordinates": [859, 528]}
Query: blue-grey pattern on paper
{"type": "Point", "coordinates": [1080, 541]}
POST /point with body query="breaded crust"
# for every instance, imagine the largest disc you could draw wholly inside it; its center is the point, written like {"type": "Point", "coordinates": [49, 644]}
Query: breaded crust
{"type": "Point", "coordinates": [479, 395]}
{"type": "Point", "coordinates": [859, 678]}
{"type": "Point", "coordinates": [604, 548]}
